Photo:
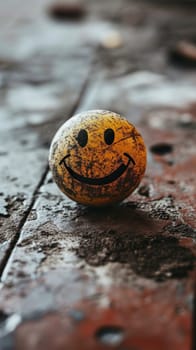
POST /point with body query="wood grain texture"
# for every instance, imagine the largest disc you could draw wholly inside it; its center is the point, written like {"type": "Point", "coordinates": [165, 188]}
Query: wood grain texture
{"type": "Point", "coordinates": [76, 277]}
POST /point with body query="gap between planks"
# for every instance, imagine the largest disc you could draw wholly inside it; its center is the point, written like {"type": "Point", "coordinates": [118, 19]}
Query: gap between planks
{"type": "Point", "coordinates": [4, 267]}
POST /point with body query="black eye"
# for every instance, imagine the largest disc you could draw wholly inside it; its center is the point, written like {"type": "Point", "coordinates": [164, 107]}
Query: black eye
{"type": "Point", "coordinates": [109, 136]}
{"type": "Point", "coordinates": [82, 138]}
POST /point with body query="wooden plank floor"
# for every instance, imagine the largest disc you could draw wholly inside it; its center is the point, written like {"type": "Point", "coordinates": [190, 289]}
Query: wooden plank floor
{"type": "Point", "coordinates": [74, 277]}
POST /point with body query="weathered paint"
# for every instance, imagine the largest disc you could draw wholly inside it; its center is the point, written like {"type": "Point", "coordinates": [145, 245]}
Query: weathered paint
{"type": "Point", "coordinates": [97, 158]}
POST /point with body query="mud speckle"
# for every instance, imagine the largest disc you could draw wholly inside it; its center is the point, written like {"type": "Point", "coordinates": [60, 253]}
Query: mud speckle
{"type": "Point", "coordinates": [161, 148]}
{"type": "Point", "coordinates": [68, 11]}
{"type": "Point", "coordinates": [144, 190]}
{"type": "Point", "coordinates": [110, 335]}
{"type": "Point", "coordinates": [155, 257]}
{"type": "Point", "coordinates": [3, 317]}
{"type": "Point", "coordinates": [181, 230]}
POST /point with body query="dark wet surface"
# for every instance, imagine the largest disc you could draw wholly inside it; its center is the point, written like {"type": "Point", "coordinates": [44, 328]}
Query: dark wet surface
{"type": "Point", "coordinates": [155, 257]}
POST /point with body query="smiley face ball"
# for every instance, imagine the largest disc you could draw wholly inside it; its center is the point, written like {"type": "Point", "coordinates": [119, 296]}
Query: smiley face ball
{"type": "Point", "coordinates": [97, 158]}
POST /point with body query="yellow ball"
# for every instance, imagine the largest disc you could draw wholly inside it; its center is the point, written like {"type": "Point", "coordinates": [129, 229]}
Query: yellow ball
{"type": "Point", "coordinates": [97, 158]}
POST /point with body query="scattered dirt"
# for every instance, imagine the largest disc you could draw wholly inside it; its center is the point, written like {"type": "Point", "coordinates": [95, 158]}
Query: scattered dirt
{"type": "Point", "coordinates": [155, 257]}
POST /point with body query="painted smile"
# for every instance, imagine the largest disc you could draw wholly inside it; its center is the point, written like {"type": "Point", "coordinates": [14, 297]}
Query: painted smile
{"type": "Point", "coordinates": [102, 180]}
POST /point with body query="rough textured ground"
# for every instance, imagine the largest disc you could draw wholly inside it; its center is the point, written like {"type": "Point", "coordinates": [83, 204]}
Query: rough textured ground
{"type": "Point", "coordinates": [74, 277]}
